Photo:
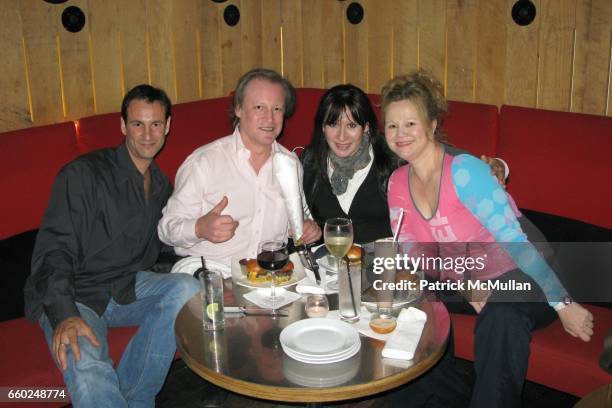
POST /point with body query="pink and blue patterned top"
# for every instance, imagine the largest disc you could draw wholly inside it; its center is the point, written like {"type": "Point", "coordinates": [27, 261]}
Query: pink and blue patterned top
{"type": "Point", "coordinates": [472, 208]}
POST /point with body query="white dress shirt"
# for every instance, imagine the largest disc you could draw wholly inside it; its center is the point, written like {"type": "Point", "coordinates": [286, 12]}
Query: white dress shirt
{"type": "Point", "coordinates": [218, 169]}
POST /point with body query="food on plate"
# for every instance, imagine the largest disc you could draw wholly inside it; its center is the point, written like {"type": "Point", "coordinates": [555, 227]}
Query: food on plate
{"type": "Point", "coordinates": [354, 255]}
{"type": "Point", "coordinates": [256, 273]}
{"type": "Point", "coordinates": [284, 275]}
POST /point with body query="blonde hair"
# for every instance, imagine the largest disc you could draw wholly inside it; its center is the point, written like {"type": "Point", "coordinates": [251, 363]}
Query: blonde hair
{"type": "Point", "coordinates": [424, 91]}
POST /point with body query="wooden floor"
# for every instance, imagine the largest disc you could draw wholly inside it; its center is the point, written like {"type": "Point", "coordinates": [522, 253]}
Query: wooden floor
{"type": "Point", "coordinates": [183, 388]}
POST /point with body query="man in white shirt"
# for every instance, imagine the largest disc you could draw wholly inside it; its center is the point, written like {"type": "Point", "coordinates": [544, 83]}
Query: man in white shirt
{"type": "Point", "coordinates": [226, 198]}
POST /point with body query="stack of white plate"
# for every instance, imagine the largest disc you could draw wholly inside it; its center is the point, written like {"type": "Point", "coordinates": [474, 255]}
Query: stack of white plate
{"type": "Point", "coordinates": [321, 375]}
{"type": "Point", "coordinates": [320, 341]}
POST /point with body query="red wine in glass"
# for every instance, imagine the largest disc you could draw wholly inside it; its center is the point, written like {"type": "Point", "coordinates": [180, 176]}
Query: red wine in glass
{"type": "Point", "coordinates": [272, 260]}
{"type": "Point", "coordinates": [272, 256]}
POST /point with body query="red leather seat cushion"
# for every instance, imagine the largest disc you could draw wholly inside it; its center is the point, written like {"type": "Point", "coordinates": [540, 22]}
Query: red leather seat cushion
{"type": "Point", "coordinates": [100, 131]}
{"type": "Point", "coordinates": [557, 359]}
{"type": "Point", "coordinates": [298, 128]}
{"type": "Point", "coordinates": [190, 129]}
{"type": "Point", "coordinates": [27, 362]}
{"type": "Point", "coordinates": [29, 161]}
{"type": "Point", "coordinates": [472, 127]}
{"type": "Point", "coordinates": [569, 159]}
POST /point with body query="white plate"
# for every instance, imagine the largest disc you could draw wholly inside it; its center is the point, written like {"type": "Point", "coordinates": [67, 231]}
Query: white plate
{"type": "Point", "coordinates": [319, 338]}
{"type": "Point", "coordinates": [329, 360]}
{"type": "Point", "coordinates": [320, 375]}
{"type": "Point", "coordinates": [239, 277]}
{"type": "Point", "coordinates": [192, 263]}
{"type": "Point", "coordinates": [325, 360]}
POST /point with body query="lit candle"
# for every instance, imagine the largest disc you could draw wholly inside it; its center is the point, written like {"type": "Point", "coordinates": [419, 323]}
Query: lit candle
{"type": "Point", "coordinates": [316, 311]}
{"type": "Point", "coordinates": [316, 306]}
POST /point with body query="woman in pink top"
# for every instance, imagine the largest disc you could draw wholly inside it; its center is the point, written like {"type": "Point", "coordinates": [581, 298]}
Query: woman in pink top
{"type": "Point", "coordinates": [449, 197]}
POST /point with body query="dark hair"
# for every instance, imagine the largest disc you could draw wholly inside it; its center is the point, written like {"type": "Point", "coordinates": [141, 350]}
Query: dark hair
{"type": "Point", "coordinates": [425, 92]}
{"type": "Point", "coordinates": [333, 103]}
{"type": "Point", "coordinates": [147, 93]}
{"type": "Point", "coordinates": [267, 75]}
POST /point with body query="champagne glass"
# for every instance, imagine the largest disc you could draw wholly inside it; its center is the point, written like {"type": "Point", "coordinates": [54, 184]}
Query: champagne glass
{"type": "Point", "coordinates": [338, 237]}
{"type": "Point", "coordinates": [273, 256]}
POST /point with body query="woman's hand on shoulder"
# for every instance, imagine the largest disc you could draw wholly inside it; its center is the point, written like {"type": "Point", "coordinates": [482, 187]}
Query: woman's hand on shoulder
{"type": "Point", "coordinates": [577, 321]}
{"type": "Point", "coordinates": [497, 168]}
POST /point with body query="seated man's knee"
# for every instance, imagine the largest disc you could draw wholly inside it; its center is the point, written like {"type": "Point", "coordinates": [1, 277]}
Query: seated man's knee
{"type": "Point", "coordinates": [185, 286]}
{"type": "Point", "coordinates": [90, 354]}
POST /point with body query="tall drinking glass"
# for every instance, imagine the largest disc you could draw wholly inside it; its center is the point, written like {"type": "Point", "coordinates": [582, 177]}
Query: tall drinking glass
{"type": "Point", "coordinates": [338, 237]}
{"type": "Point", "coordinates": [273, 256]}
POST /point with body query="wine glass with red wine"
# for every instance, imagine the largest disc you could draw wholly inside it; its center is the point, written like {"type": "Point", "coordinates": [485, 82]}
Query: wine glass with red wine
{"type": "Point", "coordinates": [273, 256]}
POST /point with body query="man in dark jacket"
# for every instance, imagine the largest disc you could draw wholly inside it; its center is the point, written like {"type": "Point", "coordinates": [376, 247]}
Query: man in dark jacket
{"type": "Point", "coordinates": [90, 264]}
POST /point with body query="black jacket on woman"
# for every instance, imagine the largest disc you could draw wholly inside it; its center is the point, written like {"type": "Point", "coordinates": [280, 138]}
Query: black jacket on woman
{"type": "Point", "coordinates": [368, 211]}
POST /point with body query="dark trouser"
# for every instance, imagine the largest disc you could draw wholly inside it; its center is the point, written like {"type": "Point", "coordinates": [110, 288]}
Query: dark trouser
{"type": "Point", "coordinates": [501, 346]}
{"type": "Point", "coordinates": [501, 342]}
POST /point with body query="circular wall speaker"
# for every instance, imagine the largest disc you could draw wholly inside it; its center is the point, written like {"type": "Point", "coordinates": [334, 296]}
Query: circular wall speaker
{"type": "Point", "coordinates": [523, 12]}
{"type": "Point", "coordinates": [73, 19]}
{"type": "Point", "coordinates": [231, 15]}
{"type": "Point", "coordinates": [354, 13]}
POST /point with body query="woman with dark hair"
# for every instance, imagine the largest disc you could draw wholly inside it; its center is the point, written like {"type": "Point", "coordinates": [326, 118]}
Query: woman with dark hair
{"type": "Point", "coordinates": [347, 164]}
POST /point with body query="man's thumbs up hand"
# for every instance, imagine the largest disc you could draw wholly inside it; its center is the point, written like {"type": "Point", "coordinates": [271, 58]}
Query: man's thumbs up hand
{"type": "Point", "coordinates": [215, 227]}
{"type": "Point", "coordinates": [217, 209]}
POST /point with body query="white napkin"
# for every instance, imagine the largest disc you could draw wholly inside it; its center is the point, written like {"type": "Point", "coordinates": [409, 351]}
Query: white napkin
{"type": "Point", "coordinates": [261, 297]}
{"type": "Point", "coordinates": [404, 339]}
{"type": "Point", "coordinates": [308, 284]}
{"type": "Point", "coordinates": [286, 172]}
{"type": "Point", "coordinates": [190, 264]}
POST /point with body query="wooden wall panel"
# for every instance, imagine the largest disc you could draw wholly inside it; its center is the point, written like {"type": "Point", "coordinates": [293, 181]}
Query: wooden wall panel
{"type": "Point", "coordinates": [292, 45]}
{"type": "Point", "coordinates": [211, 76]}
{"type": "Point", "coordinates": [332, 43]}
{"type": "Point", "coordinates": [405, 37]}
{"type": "Point", "coordinates": [231, 51]}
{"type": "Point", "coordinates": [250, 29]}
{"type": "Point", "coordinates": [591, 56]}
{"type": "Point", "coordinates": [75, 65]}
{"type": "Point", "coordinates": [355, 51]}
{"type": "Point", "coordinates": [160, 46]}
{"type": "Point", "coordinates": [556, 52]}
{"type": "Point", "coordinates": [105, 50]}
{"type": "Point", "coordinates": [42, 43]}
{"type": "Point", "coordinates": [271, 35]}
{"type": "Point", "coordinates": [313, 38]}
{"type": "Point", "coordinates": [461, 52]}
{"type": "Point", "coordinates": [521, 80]}
{"type": "Point", "coordinates": [432, 37]}
{"type": "Point", "coordinates": [15, 107]}
{"type": "Point", "coordinates": [380, 40]}
{"type": "Point", "coordinates": [185, 29]}
{"type": "Point", "coordinates": [134, 43]}
{"type": "Point", "coordinates": [561, 61]}
{"type": "Point", "coordinates": [491, 51]}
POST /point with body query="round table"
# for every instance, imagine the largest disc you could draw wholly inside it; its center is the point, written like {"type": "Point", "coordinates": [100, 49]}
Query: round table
{"type": "Point", "coordinates": [246, 357]}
